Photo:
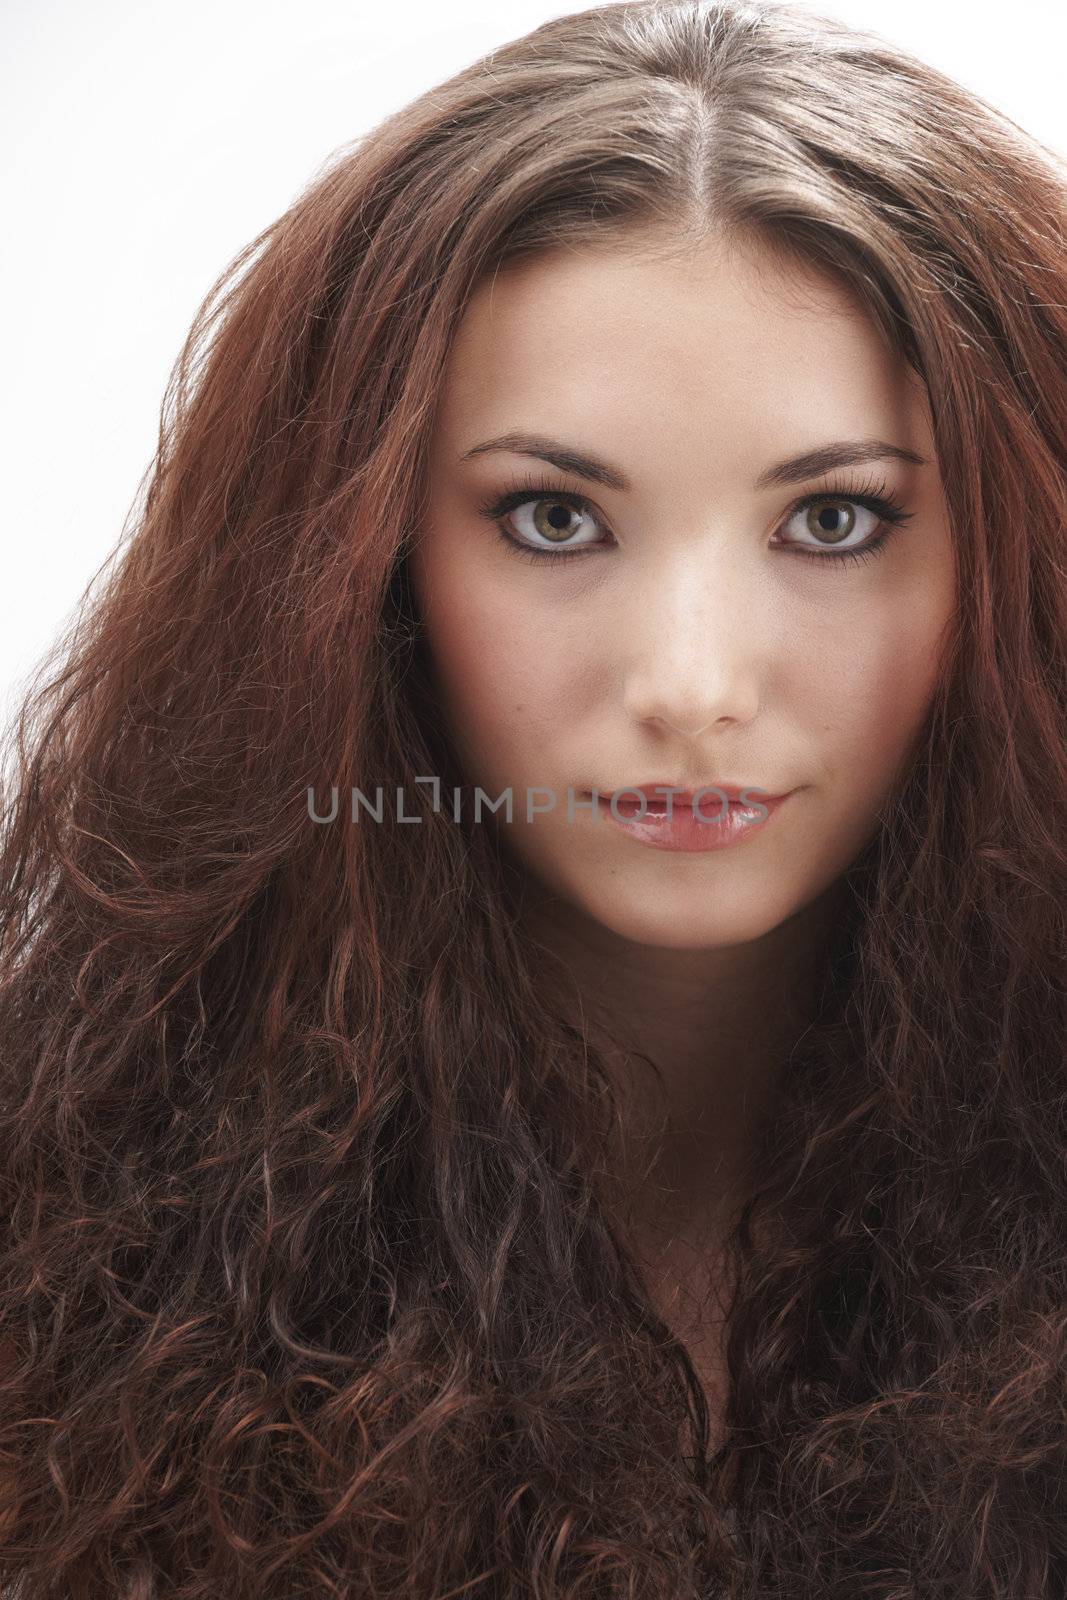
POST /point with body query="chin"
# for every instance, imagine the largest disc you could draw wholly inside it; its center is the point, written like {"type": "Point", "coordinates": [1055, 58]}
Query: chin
{"type": "Point", "coordinates": [689, 921]}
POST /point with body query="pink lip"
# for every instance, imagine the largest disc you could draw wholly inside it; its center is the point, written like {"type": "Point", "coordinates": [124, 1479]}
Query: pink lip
{"type": "Point", "coordinates": [716, 827]}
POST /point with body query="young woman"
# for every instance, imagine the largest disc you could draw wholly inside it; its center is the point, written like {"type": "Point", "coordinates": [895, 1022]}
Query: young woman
{"type": "Point", "coordinates": [426, 1169]}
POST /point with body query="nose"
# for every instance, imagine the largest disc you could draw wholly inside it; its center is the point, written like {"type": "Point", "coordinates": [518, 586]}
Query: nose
{"type": "Point", "coordinates": [693, 661]}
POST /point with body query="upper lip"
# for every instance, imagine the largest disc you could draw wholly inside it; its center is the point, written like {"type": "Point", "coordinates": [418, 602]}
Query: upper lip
{"type": "Point", "coordinates": [733, 791]}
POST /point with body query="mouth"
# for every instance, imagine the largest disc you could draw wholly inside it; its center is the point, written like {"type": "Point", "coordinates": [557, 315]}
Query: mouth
{"type": "Point", "coordinates": [713, 823]}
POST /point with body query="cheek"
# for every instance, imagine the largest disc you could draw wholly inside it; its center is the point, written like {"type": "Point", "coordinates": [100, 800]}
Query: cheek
{"type": "Point", "coordinates": [507, 673]}
{"type": "Point", "coordinates": [871, 689]}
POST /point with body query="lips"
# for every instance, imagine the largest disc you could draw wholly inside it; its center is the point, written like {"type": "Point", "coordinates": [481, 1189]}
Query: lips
{"type": "Point", "coordinates": [711, 823]}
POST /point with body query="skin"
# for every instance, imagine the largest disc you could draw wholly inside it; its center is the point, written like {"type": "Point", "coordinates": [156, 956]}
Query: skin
{"type": "Point", "coordinates": [685, 641]}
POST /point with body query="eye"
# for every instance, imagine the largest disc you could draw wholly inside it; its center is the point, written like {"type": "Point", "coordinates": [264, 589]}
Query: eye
{"type": "Point", "coordinates": [850, 523]}
{"type": "Point", "coordinates": [837, 525]}
{"type": "Point", "coordinates": [542, 520]}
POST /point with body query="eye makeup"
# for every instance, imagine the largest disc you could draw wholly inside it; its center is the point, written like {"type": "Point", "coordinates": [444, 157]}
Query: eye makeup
{"type": "Point", "coordinates": [873, 495]}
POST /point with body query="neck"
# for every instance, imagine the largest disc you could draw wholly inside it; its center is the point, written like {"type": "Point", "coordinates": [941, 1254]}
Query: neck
{"type": "Point", "coordinates": [696, 1040]}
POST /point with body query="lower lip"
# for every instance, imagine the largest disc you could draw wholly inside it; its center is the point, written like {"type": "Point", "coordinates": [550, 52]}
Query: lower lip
{"type": "Point", "coordinates": [683, 831]}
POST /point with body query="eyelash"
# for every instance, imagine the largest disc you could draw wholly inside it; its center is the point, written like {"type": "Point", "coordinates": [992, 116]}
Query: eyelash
{"type": "Point", "coordinates": [873, 495]}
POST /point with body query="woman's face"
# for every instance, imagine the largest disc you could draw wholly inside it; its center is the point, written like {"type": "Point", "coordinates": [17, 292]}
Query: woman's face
{"type": "Point", "coordinates": [697, 636]}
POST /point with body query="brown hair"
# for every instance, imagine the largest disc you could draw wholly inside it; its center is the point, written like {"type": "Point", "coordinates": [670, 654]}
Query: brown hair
{"type": "Point", "coordinates": [309, 1282]}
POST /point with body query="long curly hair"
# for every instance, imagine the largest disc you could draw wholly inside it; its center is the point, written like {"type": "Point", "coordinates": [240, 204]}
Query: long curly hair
{"type": "Point", "coordinates": [311, 1278]}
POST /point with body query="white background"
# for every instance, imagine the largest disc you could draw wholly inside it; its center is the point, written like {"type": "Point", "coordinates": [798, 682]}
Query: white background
{"type": "Point", "coordinates": [143, 145]}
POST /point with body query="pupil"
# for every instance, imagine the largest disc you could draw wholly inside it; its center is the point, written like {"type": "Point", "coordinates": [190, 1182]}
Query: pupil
{"type": "Point", "coordinates": [559, 516]}
{"type": "Point", "coordinates": [828, 519]}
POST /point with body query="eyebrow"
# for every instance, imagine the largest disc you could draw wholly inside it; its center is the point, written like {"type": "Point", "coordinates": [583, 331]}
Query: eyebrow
{"type": "Point", "coordinates": [812, 463]}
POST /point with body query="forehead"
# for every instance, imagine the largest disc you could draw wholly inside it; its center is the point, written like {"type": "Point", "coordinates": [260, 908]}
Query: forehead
{"type": "Point", "coordinates": [726, 347]}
